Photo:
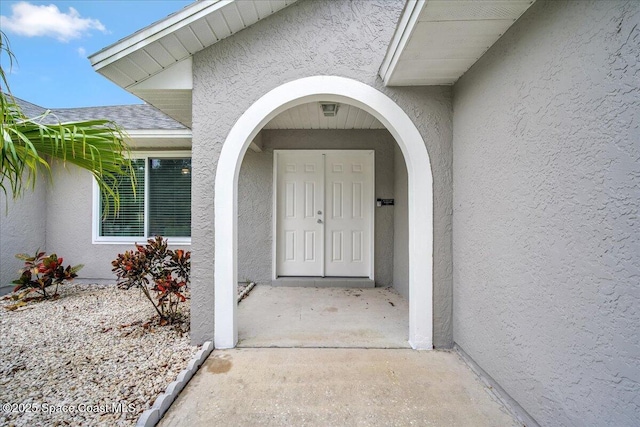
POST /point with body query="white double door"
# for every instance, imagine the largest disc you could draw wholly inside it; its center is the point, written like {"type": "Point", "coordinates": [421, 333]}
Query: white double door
{"type": "Point", "coordinates": [324, 212]}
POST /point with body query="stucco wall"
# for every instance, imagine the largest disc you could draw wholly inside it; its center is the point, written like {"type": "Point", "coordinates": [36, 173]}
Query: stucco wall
{"type": "Point", "coordinates": [69, 220]}
{"type": "Point", "coordinates": [401, 227]}
{"type": "Point", "coordinates": [308, 38]}
{"type": "Point", "coordinates": [22, 230]}
{"type": "Point", "coordinates": [255, 196]}
{"type": "Point", "coordinates": [546, 202]}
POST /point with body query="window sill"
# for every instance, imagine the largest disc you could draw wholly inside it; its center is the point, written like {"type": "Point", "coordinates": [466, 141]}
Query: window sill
{"type": "Point", "coordinates": [173, 241]}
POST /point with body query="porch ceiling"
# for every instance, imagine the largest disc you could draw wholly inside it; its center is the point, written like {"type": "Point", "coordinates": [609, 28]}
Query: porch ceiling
{"type": "Point", "coordinates": [309, 116]}
{"type": "Point", "coordinates": [437, 41]}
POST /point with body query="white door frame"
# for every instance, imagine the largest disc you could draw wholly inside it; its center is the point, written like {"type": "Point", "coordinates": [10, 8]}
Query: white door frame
{"type": "Point", "coordinates": [420, 196]}
{"type": "Point", "coordinates": [274, 221]}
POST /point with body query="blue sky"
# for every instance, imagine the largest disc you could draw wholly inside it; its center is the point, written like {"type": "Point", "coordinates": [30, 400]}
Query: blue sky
{"type": "Point", "coordinates": [51, 43]}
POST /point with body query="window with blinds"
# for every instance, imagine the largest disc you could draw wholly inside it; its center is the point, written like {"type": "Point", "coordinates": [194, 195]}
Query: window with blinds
{"type": "Point", "coordinates": [170, 197]}
{"type": "Point", "coordinates": [129, 220]}
{"type": "Point", "coordinates": [160, 205]}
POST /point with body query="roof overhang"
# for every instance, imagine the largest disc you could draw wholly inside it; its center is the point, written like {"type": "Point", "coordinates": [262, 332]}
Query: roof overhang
{"type": "Point", "coordinates": [155, 62]}
{"type": "Point", "coordinates": [437, 41]}
{"type": "Point", "coordinates": [159, 133]}
{"type": "Point", "coordinates": [158, 139]}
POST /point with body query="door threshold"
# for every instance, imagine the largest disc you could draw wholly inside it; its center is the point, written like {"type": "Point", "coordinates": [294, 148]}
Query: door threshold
{"type": "Point", "coordinates": [325, 282]}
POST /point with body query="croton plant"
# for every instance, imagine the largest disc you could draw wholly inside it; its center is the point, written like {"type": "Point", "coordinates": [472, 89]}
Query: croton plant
{"type": "Point", "coordinates": [154, 268]}
{"type": "Point", "coordinates": [40, 272]}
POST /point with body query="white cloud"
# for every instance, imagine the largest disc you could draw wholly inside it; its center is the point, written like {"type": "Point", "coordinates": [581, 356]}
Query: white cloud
{"type": "Point", "coordinates": [32, 20]}
{"type": "Point", "coordinates": [82, 52]}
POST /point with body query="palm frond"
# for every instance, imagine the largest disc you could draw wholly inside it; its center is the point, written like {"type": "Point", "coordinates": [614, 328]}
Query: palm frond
{"type": "Point", "coordinates": [29, 145]}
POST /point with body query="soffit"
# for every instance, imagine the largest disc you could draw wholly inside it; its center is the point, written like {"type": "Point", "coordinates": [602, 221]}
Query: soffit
{"type": "Point", "coordinates": [437, 41]}
{"type": "Point", "coordinates": [310, 116]}
{"type": "Point", "coordinates": [155, 62]}
{"type": "Point", "coordinates": [159, 140]}
{"type": "Point", "coordinates": [177, 37]}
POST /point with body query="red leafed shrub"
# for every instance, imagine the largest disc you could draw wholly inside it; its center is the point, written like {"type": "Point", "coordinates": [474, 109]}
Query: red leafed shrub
{"type": "Point", "coordinates": [153, 268]}
{"type": "Point", "coordinates": [40, 272]}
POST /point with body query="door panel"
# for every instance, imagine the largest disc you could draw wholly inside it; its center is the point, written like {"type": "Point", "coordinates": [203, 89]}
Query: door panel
{"type": "Point", "coordinates": [350, 177]}
{"type": "Point", "coordinates": [324, 218]}
{"type": "Point", "coordinates": [299, 197]}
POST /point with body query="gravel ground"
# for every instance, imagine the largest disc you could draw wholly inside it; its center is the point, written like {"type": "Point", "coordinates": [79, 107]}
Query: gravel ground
{"type": "Point", "coordinates": [88, 352]}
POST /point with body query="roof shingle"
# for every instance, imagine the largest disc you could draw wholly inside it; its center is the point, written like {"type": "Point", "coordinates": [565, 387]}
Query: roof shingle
{"type": "Point", "coordinates": [130, 117]}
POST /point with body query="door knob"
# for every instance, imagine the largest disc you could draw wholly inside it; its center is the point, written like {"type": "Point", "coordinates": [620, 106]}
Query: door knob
{"type": "Point", "coordinates": [319, 212]}
{"type": "Point", "coordinates": [319, 221]}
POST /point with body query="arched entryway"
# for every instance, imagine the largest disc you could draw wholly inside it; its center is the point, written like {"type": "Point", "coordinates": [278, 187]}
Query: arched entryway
{"type": "Point", "coordinates": [420, 203]}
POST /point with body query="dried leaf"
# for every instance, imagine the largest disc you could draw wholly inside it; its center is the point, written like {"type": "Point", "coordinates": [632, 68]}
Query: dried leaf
{"type": "Point", "coordinates": [15, 306]}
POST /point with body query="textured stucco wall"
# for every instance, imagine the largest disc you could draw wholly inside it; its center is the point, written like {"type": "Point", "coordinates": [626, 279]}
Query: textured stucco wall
{"type": "Point", "coordinates": [309, 38]}
{"type": "Point", "coordinates": [401, 229]}
{"type": "Point", "coordinates": [255, 199]}
{"type": "Point", "coordinates": [255, 196]}
{"type": "Point", "coordinates": [546, 202]}
{"type": "Point", "coordinates": [69, 204]}
{"type": "Point", "coordinates": [69, 222]}
{"type": "Point", "coordinates": [22, 230]}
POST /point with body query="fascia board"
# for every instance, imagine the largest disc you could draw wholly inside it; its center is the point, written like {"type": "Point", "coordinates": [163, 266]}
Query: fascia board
{"type": "Point", "coordinates": [402, 35]}
{"type": "Point", "coordinates": [158, 133]}
{"type": "Point", "coordinates": [155, 32]}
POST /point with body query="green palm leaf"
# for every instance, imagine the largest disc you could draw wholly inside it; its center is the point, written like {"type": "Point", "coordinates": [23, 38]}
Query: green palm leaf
{"type": "Point", "coordinates": [30, 145]}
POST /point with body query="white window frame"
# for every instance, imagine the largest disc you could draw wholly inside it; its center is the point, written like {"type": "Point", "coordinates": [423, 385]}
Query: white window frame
{"type": "Point", "coordinates": [97, 211]}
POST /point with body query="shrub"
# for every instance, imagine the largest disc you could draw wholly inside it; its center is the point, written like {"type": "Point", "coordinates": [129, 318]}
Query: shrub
{"type": "Point", "coordinates": [41, 272]}
{"type": "Point", "coordinates": [155, 268]}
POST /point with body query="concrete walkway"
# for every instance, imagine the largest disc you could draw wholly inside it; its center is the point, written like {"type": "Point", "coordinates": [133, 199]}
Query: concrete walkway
{"type": "Point", "coordinates": [335, 387]}
{"type": "Point", "coordinates": [323, 317]}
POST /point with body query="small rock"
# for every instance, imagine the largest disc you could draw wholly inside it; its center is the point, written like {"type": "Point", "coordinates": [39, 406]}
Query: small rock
{"type": "Point", "coordinates": [72, 357]}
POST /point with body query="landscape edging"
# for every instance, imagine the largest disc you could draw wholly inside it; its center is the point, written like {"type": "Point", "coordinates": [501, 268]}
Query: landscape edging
{"type": "Point", "coordinates": [153, 415]}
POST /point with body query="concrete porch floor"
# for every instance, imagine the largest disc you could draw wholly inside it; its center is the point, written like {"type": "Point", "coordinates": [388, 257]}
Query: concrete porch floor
{"type": "Point", "coordinates": [341, 385]}
{"type": "Point", "coordinates": [335, 387]}
{"type": "Point", "coordinates": [323, 317]}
